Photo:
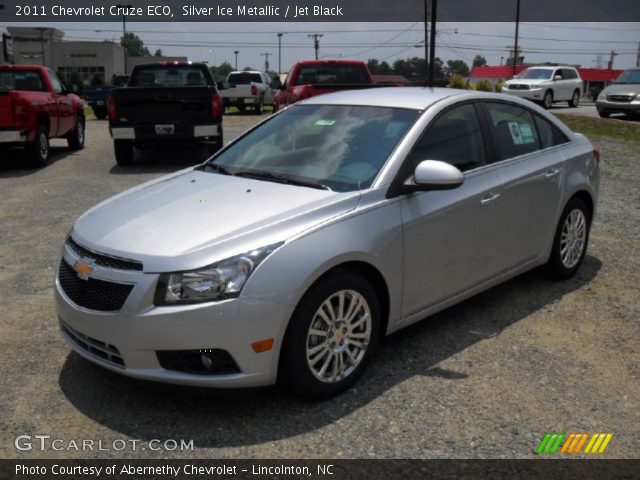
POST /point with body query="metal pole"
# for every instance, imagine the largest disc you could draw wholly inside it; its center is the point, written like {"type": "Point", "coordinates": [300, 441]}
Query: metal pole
{"type": "Point", "coordinates": [515, 54]}
{"type": "Point", "coordinates": [426, 42]}
{"type": "Point", "coordinates": [124, 35]}
{"type": "Point", "coordinates": [236, 53]}
{"type": "Point", "coordinates": [432, 47]}
{"type": "Point", "coordinates": [279, 54]}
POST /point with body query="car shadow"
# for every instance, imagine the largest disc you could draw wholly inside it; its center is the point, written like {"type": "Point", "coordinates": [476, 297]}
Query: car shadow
{"type": "Point", "coordinates": [166, 159]}
{"type": "Point", "coordinates": [214, 418]}
{"type": "Point", "coordinates": [16, 164]}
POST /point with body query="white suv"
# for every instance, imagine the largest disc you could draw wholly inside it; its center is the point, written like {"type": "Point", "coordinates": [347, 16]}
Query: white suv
{"type": "Point", "coordinates": [547, 85]}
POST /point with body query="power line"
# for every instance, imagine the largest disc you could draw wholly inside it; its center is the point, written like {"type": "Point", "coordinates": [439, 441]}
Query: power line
{"type": "Point", "coordinates": [316, 41]}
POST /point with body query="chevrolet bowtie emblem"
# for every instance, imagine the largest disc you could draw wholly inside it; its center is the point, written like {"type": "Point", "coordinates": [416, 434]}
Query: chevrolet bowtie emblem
{"type": "Point", "coordinates": [83, 269]}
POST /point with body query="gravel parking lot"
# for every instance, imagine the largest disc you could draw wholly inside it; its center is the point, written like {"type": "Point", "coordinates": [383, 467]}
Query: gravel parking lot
{"type": "Point", "coordinates": [487, 378]}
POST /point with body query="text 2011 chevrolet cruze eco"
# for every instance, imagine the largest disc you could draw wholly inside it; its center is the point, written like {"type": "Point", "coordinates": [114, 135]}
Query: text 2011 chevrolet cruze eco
{"type": "Point", "coordinates": [343, 218]}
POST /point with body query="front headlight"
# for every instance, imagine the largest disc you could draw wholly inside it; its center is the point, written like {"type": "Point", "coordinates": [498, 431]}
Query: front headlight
{"type": "Point", "coordinates": [218, 281]}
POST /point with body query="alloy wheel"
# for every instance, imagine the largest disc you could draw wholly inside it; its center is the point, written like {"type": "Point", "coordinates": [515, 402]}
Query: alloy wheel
{"type": "Point", "coordinates": [573, 238]}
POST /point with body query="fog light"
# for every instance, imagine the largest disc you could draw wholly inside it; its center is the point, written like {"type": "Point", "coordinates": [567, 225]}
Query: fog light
{"type": "Point", "coordinates": [207, 361]}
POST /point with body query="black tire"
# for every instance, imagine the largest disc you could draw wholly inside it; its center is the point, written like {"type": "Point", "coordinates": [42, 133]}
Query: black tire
{"type": "Point", "coordinates": [259, 107]}
{"type": "Point", "coordinates": [294, 372]}
{"type": "Point", "coordinates": [575, 99]}
{"type": "Point", "coordinates": [240, 107]}
{"type": "Point", "coordinates": [100, 113]}
{"type": "Point", "coordinates": [547, 100]}
{"type": "Point", "coordinates": [604, 114]}
{"type": "Point", "coordinates": [123, 150]}
{"type": "Point", "coordinates": [38, 150]}
{"type": "Point", "coordinates": [216, 145]}
{"type": "Point", "coordinates": [556, 266]}
{"type": "Point", "coordinates": [75, 140]}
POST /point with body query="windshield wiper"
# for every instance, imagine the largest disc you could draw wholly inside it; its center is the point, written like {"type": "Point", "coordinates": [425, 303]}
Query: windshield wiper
{"type": "Point", "coordinates": [280, 178]}
{"type": "Point", "coordinates": [216, 168]}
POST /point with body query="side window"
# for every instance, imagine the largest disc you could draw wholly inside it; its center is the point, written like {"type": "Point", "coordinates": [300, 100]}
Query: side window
{"type": "Point", "coordinates": [454, 138]}
{"type": "Point", "coordinates": [549, 134]}
{"type": "Point", "coordinates": [514, 130]}
{"type": "Point", "coordinates": [55, 82]}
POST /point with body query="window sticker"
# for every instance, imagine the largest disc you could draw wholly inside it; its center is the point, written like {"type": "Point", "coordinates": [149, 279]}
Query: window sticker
{"type": "Point", "coordinates": [526, 133]}
{"type": "Point", "coordinates": [325, 123]}
{"type": "Point", "coordinates": [516, 135]}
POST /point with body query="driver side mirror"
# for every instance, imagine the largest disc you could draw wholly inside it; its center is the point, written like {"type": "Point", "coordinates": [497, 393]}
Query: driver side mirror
{"type": "Point", "coordinates": [276, 84]}
{"type": "Point", "coordinates": [222, 85]}
{"type": "Point", "coordinates": [434, 175]}
{"type": "Point", "coordinates": [557, 77]}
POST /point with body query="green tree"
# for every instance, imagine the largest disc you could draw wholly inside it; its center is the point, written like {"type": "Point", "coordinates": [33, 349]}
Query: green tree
{"type": "Point", "coordinates": [456, 81]}
{"type": "Point", "coordinates": [134, 45]}
{"type": "Point", "coordinates": [158, 53]}
{"type": "Point", "coordinates": [458, 67]}
{"type": "Point", "coordinates": [479, 61]}
{"type": "Point", "coordinates": [221, 71]}
{"type": "Point", "coordinates": [373, 65]}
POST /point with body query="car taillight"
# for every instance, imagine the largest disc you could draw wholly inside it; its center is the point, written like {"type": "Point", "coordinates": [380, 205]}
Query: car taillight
{"type": "Point", "coordinates": [111, 108]}
{"type": "Point", "coordinates": [216, 105]}
{"type": "Point", "coordinates": [254, 90]}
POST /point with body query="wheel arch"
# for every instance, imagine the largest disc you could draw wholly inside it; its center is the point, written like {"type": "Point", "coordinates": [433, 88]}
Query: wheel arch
{"type": "Point", "coordinates": [586, 197]}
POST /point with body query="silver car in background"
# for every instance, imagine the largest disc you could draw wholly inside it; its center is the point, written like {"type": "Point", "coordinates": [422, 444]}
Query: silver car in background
{"type": "Point", "coordinates": [341, 219]}
{"type": "Point", "coordinates": [622, 96]}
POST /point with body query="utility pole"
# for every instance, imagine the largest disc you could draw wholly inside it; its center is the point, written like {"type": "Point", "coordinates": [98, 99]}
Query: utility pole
{"type": "Point", "coordinates": [42, 30]}
{"type": "Point", "coordinates": [432, 47]}
{"type": "Point", "coordinates": [236, 52]}
{"type": "Point", "coordinates": [124, 33]}
{"type": "Point", "coordinates": [638, 57]}
{"type": "Point", "coordinates": [515, 56]}
{"type": "Point", "coordinates": [316, 41]}
{"type": "Point", "coordinates": [612, 55]}
{"type": "Point", "coordinates": [426, 42]}
{"type": "Point", "coordinates": [279, 54]}
{"type": "Point", "coordinates": [266, 56]}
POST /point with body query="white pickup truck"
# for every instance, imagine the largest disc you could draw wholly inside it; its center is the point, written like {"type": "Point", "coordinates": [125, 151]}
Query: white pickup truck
{"type": "Point", "coordinates": [247, 89]}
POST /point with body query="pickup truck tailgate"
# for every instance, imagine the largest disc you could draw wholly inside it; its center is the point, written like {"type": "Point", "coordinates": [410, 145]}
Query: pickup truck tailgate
{"type": "Point", "coordinates": [174, 105]}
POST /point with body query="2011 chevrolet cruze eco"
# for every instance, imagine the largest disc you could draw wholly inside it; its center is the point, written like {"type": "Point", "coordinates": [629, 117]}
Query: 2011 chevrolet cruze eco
{"type": "Point", "coordinates": [338, 220]}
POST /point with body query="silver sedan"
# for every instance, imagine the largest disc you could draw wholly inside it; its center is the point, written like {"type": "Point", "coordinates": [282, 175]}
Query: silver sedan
{"type": "Point", "coordinates": [287, 255]}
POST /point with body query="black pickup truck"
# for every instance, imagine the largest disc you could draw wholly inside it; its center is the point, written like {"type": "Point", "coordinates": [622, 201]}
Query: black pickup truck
{"type": "Point", "coordinates": [167, 102]}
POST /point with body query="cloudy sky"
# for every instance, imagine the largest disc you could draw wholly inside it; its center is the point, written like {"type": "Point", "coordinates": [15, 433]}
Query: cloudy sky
{"type": "Point", "coordinates": [585, 44]}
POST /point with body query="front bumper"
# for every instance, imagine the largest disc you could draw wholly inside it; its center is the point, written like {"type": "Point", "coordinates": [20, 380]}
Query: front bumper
{"type": "Point", "coordinates": [126, 341]}
{"type": "Point", "coordinates": [535, 94]}
{"type": "Point", "coordinates": [607, 106]}
{"type": "Point", "coordinates": [13, 136]}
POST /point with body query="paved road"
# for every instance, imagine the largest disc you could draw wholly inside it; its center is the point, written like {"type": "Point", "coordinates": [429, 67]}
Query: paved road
{"type": "Point", "coordinates": [486, 378]}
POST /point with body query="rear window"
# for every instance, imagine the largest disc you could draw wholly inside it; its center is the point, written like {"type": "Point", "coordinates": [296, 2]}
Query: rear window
{"type": "Point", "coordinates": [332, 74]}
{"type": "Point", "coordinates": [25, 80]}
{"type": "Point", "coordinates": [244, 78]}
{"type": "Point", "coordinates": [168, 76]}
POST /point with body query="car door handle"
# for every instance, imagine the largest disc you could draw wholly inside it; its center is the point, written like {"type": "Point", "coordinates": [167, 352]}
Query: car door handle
{"type": "Point", "coordinates": [490, 197]}
{"type": "Point", "coordinates": [552, 173]}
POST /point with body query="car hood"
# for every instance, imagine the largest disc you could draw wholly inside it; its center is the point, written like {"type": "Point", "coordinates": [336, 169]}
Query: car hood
{"type": "Point", "coordinates": [193, 218]}
{"type": "Point", "coordinates": [622, 89]}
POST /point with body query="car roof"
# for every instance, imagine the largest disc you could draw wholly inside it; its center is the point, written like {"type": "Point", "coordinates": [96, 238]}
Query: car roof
{"type": "Point", "coordinates": [415, 98]}
{"type": "Point", "coordinates": [549, 67]}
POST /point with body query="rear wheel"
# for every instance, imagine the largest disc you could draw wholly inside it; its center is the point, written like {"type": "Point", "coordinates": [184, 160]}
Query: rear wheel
{"type": "Point", "coordinates": [216, 144]}
{"type": "Point", "coordinates": [547, 100]}
{"type": "Point", "coordinates": [571, 240]}
{"type": "Point", "coordinates": [259, 107]}
{"type": "Point", "coordinates": [123, 150]}
{"type": "Point", "coordinates": [331, 336]}
{"type": "Point", "coordinates": [75, 140]}
{"type": "Point", "coordinates": [575, 99]}
{"type": "Point", "coordinates": [38, 150]}
{"type": "Point", "coordinates": [100, 113]}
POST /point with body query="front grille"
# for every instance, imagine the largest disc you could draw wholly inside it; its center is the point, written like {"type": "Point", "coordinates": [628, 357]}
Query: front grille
{"type": "Point", "coordinates": [95, 347]}
{"type": "Point", "coordinates": [518, 87]}
{"type": "Point", "coordinates": [620, 98]}
{"type": "Point", "coordinates": [92, 293]}
{"type": "Point", "coordinates": [104, 260]}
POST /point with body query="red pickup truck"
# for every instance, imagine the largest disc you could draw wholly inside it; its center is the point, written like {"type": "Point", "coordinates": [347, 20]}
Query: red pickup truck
{"type": "Point", "coordinates": [35, 106]}
{"type": "Point", "coordinates": [315, 77]}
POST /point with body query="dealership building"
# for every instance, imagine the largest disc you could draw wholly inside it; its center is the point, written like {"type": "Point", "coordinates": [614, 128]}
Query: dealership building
{"type": "Point", "coordinates": [46, 46]}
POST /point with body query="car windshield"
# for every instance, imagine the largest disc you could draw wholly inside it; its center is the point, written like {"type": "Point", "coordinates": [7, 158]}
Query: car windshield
{"type": "Point", "coordinates": [338, 147]}
{"type": "Point", "coordinates": [536, 74]}
{"type": "Point", "coordinates": [168, 76]}
{"type": "Point", "coordinates": [629, 76]}
{"type": "Point", "coordinates": [25, 80]}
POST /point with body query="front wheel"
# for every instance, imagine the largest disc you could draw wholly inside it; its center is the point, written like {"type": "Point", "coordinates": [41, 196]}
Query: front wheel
{"type": "Point", "coordinates": [38, 150]}
{"type": "Point", "coordinates": [571, 240]}
{"type": "Point", "coordinates": [331, 336]}
{"type": "Point", "coordinates": [75, 140]}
